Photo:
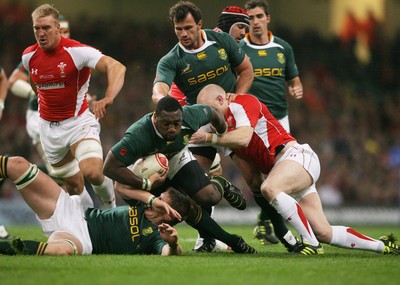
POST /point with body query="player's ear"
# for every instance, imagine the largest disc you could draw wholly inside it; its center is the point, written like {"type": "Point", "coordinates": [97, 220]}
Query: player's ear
{"type": "Point", "coordinates": [220, 99]}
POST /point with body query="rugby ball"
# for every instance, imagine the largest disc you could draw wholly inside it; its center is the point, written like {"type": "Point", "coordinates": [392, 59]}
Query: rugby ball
{"type": "Point", "coordinates": [146, 166]}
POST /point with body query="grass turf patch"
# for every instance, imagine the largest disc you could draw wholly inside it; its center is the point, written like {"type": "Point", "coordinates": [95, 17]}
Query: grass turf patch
{"type": "Point", "coordinates": [272, 265]}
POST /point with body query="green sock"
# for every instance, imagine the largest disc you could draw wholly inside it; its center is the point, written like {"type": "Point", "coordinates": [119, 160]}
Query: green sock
{"type": "Point", "coordinates": [263, 215]}
{"type": "Point", "coordinates": [271, 214]}
{"type": "Point", "coordinates": [6, 248]}
{"type": "Point", "coordinates": [23, 247]}
{"type": "Point", "coordinates": [219, 184]}
{"type": "Point", "coordinates": [235, 198]}
{"type": "Point", "coordinates": [3, 166]}
{"type": "Point", "coordinates": [202, 233]}
{"type": "Point", "coordinates": [201, 221]}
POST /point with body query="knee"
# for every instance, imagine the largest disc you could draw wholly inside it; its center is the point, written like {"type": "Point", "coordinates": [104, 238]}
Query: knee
{"type": "Point", "coordinates": [74, 185]}
{"type": "Point", "coordinates": [267, 191]}
{"type": "Point", "coordinates": [94, 177]}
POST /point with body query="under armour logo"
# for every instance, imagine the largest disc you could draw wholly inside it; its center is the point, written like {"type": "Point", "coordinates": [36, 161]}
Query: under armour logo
{"type": "Point", "coordinates": [34, 71]}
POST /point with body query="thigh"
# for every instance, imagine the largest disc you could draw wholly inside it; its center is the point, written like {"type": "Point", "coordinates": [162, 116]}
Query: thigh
{"type": "Point", "coordinates": [54, 141]}
{"type": "Point", "coordinates": [69, 217]}
{"type": "Point", "coordinates": [250, 173]}
{"type": "Point", "coordinates": [190, 179]}
{"type": "Point", "coordinates": [82, 127]}
{"type": "Point", "coordinates": [205, 155]}
{"type": "Point", "coordinates": [288, 176]}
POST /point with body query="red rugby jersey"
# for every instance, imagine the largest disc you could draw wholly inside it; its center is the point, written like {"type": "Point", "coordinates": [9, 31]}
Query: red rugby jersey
{"type": "Point", "coordinates": [61, 77]}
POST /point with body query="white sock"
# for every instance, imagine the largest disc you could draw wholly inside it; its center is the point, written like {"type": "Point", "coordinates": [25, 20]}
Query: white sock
{"type": "Point", "coordinates": [290, 238]}
{"type": "Point", "coordinates": [291, 211]}
{"type": "Point", "coordinates": [87, 201]}
{"type": "Point", "coordinates": [106, 193]}
{"type": "Point", "coordinates": [348, 238]}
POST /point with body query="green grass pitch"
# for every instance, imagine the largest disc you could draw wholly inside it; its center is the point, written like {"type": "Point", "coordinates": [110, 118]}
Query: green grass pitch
{"type": "Point", "coordinates": [272, 265]}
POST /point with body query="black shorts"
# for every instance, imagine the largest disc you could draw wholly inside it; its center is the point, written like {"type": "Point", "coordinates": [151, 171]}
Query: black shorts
{"type": "Point", "coordinates": [189, 180]}
{"type": "Point", "coordinates": [205, 151]}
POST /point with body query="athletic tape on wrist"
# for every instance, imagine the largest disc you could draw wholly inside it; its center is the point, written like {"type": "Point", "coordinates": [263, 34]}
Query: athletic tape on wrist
{"type": "Point", "coordinates": [214, 139]}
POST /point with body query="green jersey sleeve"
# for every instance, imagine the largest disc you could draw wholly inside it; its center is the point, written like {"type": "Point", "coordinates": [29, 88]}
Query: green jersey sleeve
{"type": "Point", "coordinates": [196, 116]}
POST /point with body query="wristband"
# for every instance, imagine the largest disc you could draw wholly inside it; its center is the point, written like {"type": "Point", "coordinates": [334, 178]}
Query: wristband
{"type": "Point", "coordinates": [207, 140]}
{"type": "Point", "coordinates": [151, 199]}
{"type": "Point", "coordinates": [1, 105]}
{"type": "Point", "coordinates": [214, 138]}
{"type": "Point", "coordinates": [146, 184]}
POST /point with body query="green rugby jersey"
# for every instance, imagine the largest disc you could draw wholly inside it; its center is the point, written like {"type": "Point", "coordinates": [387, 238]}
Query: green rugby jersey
{"type": "Point", "coordinates": [142, 139]}
{"type": "Point", "coordinates": [123, 230]}
{"type": "Point", "coordinates": [273, 64]}
{"type": "Point", "coordinates": [212, 63]}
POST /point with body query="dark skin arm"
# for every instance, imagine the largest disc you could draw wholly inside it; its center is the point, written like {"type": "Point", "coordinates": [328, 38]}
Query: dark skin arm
{"type": "Point", "coordinates": [118, 171]}
{"type": "Point", "coordinates": [218, 121]}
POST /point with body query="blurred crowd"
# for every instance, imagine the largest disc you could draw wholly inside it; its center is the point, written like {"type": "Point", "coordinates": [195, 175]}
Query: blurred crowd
{"type": "Point", "coordinates": [349, 114]}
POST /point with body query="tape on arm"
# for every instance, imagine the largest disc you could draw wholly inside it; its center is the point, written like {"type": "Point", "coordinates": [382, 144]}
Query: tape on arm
{"type": "Point", "coordinates": [22, 89]}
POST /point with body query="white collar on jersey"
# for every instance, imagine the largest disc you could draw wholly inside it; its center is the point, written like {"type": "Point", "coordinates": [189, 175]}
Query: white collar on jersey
{"type": "Point", "coordinates": [206, 44]}
{"type": "Point", "coordinates": [270, 44]}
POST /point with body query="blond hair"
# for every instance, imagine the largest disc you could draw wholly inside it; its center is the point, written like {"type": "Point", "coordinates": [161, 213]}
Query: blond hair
{"type": "Point", "coordinates": [46, 10]}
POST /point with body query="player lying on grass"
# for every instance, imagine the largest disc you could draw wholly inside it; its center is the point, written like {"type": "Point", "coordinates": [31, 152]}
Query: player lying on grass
{"type": "Point", "coordinates": [261, 147]}
{"type": "Point", "coordinates": [71, 229]}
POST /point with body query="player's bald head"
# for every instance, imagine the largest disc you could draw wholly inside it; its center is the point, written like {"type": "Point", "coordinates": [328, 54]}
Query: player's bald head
{"type": "Point", "coordinates": [209, 94]}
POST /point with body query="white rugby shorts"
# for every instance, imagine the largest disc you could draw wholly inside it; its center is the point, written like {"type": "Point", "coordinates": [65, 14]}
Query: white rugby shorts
{"type": "Point", "coordinates": [306, 157]}
{"type": "Point", "coordinates": [57, 137]}
{"type": "Point", "coordinates": [69, 217]}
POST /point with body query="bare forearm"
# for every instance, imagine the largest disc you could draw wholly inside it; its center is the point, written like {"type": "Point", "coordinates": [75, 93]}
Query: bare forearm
{"type": "Point", "coordinates": [244, 82]}
{"type": "Point", "coordinates": [160, 90]}
{"type": "Point", "coordinates": [232, 140]}
{"type": "Point", "coordinates": [245, 76]}
{"type": "Point", "coordinates": [116, 78]}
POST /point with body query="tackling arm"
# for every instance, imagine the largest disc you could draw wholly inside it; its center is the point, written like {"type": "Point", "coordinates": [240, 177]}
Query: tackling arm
{"type": "Point", "coordinates": [238, 138]}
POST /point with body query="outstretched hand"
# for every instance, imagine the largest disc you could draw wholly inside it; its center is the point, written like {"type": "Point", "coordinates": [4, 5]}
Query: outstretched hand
{"type": "Point", "coordinates": [168, 233]}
